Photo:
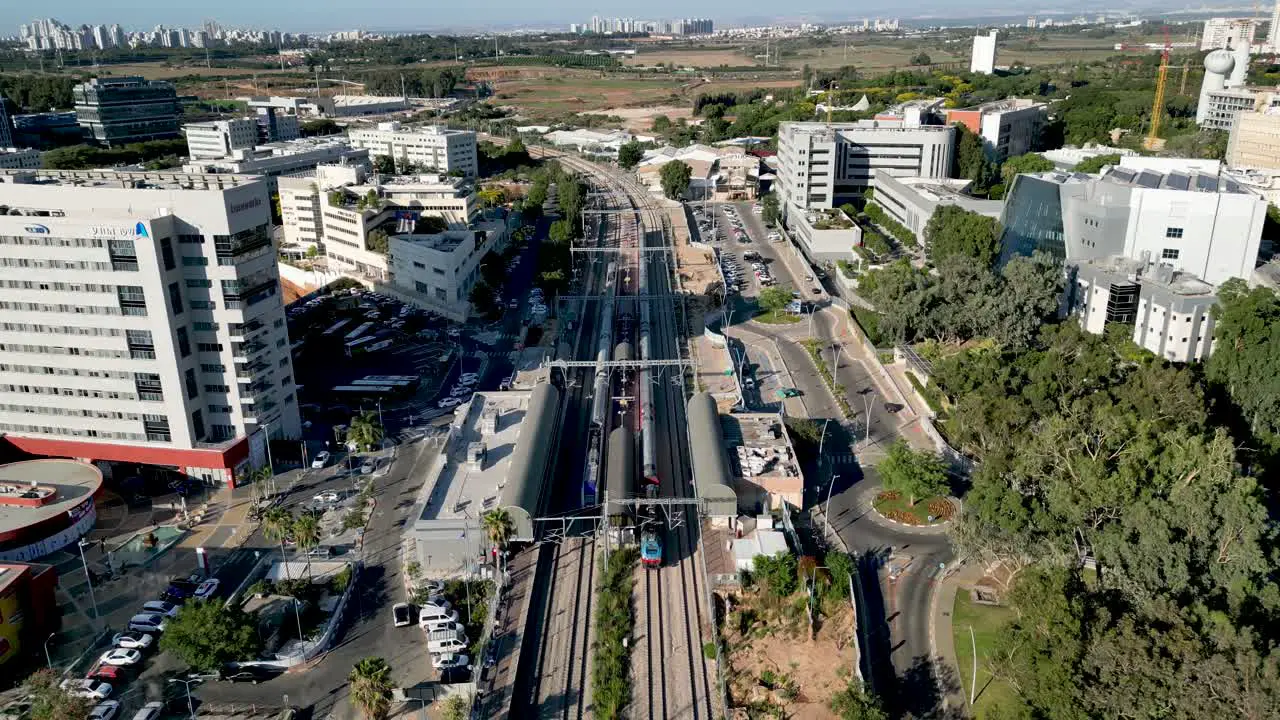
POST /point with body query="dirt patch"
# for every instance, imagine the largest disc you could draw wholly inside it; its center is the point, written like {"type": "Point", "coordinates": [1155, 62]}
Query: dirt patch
{"type": "Point", "coordinates": [773, 661]}
{"type": "Point", "coordinates": [640, 119]}
{"type": "Point", "coordinates": [732, 57]}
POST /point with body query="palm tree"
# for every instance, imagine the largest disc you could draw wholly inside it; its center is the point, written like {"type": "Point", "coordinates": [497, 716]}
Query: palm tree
{"type": "Point", "coordinates": [277, 524]}
{"type": "Point", "coordinates": [365, 432]}
{"type": "Point", "coordinates": [498, 525]}
{"type": "Point", "coordinates": [371, 687]}
{"type": "Point", "coordinates": [306, 532]}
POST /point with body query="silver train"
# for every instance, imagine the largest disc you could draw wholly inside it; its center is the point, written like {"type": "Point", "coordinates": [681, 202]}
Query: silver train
{"type": "Point", "coordinates": [648, 437]}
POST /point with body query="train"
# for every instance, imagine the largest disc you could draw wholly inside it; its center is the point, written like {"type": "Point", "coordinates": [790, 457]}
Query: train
{"type": "Point", "coordinates": [650, 549]}
{"type": "Point", "coordinates": [602, 391]}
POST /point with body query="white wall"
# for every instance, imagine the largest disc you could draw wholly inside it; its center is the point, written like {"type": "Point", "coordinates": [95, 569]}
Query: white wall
{"type": "Point", "coordinates": [1220, 232]}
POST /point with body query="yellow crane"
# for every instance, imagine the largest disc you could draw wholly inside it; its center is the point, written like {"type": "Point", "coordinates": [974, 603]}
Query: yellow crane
{"type": "Point", "coordinates": [1153, 141]}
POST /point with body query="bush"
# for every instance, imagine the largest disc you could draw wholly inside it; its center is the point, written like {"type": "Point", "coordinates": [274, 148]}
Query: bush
{"type": "Point", "coordinates": [779, 573]}
{"type": "Point", "coordinates": [869, 321]}
{"type": "Point", "coordinates": [895, 228]}
{"type": "Point", "coordinates": [340, 581]}
{"type": "Point", "coordinates": [610, 679]}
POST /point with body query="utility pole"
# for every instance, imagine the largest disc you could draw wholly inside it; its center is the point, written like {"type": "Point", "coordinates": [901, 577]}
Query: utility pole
{"type": "Point", "coordinates": [973, 681]}
{"type": "Point", "coordinates": [604, 524]}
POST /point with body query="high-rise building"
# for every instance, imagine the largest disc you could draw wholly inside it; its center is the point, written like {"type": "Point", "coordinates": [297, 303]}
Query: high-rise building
{"type": "Point", "coordinates": [823, 165]}
{"type": "Point", "coordinates": [1255, 140]}
{"type": "Point", "coordinates": [143, 320]}
{"type": "Point", "coordinates": [983, 59]}
{"type": "Point", "coordinates": [1228, 33]}
{"type": "Point", "coordinates": [434, 148]}
{"type": "Point", "coordinates": [116, 111]}
{"type": "Point", "coordinates": [6, 125]}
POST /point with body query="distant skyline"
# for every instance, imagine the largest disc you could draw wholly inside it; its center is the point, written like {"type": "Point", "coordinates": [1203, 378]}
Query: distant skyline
{"type": "Point", "coordinates": [412, 15]}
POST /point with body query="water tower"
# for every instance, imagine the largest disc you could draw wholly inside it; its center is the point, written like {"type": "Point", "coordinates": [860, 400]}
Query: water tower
{"type": "Point", "coordinates": [1217, 66]}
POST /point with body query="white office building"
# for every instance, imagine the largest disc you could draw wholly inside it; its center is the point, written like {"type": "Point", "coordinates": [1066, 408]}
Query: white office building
{"type": "Point", "coordinates": [823, 165]}
{"type": "Point", "coordinates": [142, 320]}
{"type": "Point", "coordinates": [220, 138]}
{"type": "Point", "coordinates": [274, 160]}
{"type": "Point", "coordinates": [1228, 33]}
{"type": "Point", "coordinates": [433, 148]}
{"type": "Point", "coordinates": [350, 214]}
{"type": "Point", "coordinates": [437, 271]}
{"type": "Point", "coordinates": [1008, 127]}
{"type": "Point", "coordinates": [912, 201]}
{"type": "Point", "coordinates": [983, 58]}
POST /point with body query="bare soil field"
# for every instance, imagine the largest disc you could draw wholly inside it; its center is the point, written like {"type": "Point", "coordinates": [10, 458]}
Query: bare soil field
{"type": "Point", "coordinates": [640, 119]}
{"type": "Point", "coordinates": [733, 57]}
{"type": "Point", "coordinates": [550, 92]}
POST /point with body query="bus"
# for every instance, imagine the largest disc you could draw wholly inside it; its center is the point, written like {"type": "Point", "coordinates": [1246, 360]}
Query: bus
{"type": "Point", "coordinates": [390, 379]}
{"type": "Point", "coordinates": [334, 328]}
{"type": "Point", "coordinates": [364, 391]}
{"type": "Point", "coordinates": [358, 332]}
{"type": "Point", "coordinates": [357, 346]}
{"type": "Point", "coordinates": [380, 345]}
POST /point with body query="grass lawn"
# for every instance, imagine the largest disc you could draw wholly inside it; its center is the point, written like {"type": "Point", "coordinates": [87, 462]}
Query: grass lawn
{"type": "Point", "coordinates": [894, 506]}
{"type": "Point", "coordinates": [778, 318]}
{"type": "Point", "coordinates": [986, 620]}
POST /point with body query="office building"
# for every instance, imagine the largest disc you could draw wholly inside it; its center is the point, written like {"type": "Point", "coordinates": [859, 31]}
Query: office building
{"type": "Point", "coordinates": [361, 105]}
{"type": "Point", "coordinates": [1008, 127]}
{"type": "Point", "coordinates": [331, 208]}
{"type": "Point", "coordinates": [437, 271]}
{"type": "Point", "coordinates": [45, 130]}
{"type": "Point", "coordinates": [142, 320]}
{"type": "Point", "coordinates": [717, 173]}
{"type": "Point", "coordinates": [1200, 222]}
{"type": "Point", "coordinates": [6, 125]}
{"type": "Point", "coordinates": [1255, 140]}
{"type": "Point", "coordinates": [15, 159]}
{"type": "Point", "coordinates": [823, 165]}
{"type": "Point", "coordinates": [983, 58]}
{"type": "Point", "coordinates": [282, 158]}
{"type": "Point", "coordinates": [1066, 158]}
{"type": "Point", "coordinates": [913, 200]}
{"type": "Point", "coordinates": [433, 148]}
{"type": "Point", "coordinates": [220, 138]}
{"type": "Point", "coordinates": [275, 126]}
{"type": "Point", "coordinates": [118, 111]}
{"type": "Point", "coordinates": [824, 236]}
{"type": "Point", "coordinates": [1228, 33]}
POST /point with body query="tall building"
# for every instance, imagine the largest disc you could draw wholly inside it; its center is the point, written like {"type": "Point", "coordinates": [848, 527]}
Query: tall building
{"type": "Point", "coordinates": [1008, 127]}
{"type": "Point", "coordinates": [1228, 33]}
{"type": "Point", "coordinates": [1201, 222]}
{"type": "Point", "coordinates": [6, 125]}
{"type": "Point", "coordinates": [143, 320]}
{"type": "Point", "coordinates": [823, 165]}
{"type": "Point", "coordinates": [983, 59]}
{"type": "Point", "coordinates": [434, 148]}
{"type": "Point", "coordinates": [1255, 140]}
{"type": "Point", "coordinates": [117, 111]}
{"type": "Point", "coordinates": [220, 138]}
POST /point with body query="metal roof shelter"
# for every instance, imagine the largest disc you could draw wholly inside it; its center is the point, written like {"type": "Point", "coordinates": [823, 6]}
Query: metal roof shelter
{"type": "Point", "coordinates": [711, 474]}
{"type": "Point", "coordinates": [529, 461]}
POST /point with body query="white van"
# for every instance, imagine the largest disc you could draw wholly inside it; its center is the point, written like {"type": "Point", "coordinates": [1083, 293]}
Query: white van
{"type": "Point", "coordinates": [441, 635]}
{"type": "Point", "coordinates": [434, 614]}
{"type": "Point", "coordinates": [446, 646]}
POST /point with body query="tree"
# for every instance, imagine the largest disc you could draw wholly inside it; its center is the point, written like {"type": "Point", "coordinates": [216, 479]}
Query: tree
{"type": "Point", "coordinates": [365, 432]}
{"type": "Point", "coordinates": [779, 573]}
{"type": "Point", "coordinates": [661, 124]}
{"type": "Point", "coordinates": [971, 159]}
{"type": "Point", "coordinates": [855, 703]}
{"type": "Point", "coordinates": [384, 164]}
{"type": "Point", "coordinates": [456, 707]}
{"type": "Point", "coordinates": [498, 526]}
{"type": "Point", "coordinates": [675, 177]}
{"type": "Point", "coordinates": [629, 155]}
{"type": "Point", "coordinates": [378, 241]}
{"type": "Point", "coordinates": [49, 701]}
{"type": "Point", "coordinates": [370, 687]}
{"type": "Point", "coordinates": [921, 58]}
{"type": "Point", "coordinates": [1095, 164]}
{"type": "Point", "coordinates": [1026, 163]}
{"type": "Point", "coordinates": [774, 299]}
{"type": "Point", "coordinates": [324, 126]}
{"type": "Point", "coordinates": [277, 525]}
{"type": "Point", "coordinates": [560, 232]}
{"type": "Point", "coordinates": [207, 635]}
{"type": "Point", "coordinates": [491, 197]}
{"type": "Point", "coordinates": [916, 474]}
{"type": "Point", "coordinates": [955, 231]}
{"type": "Point", "coordinates": [1246, 357]}
{"type": "Point", "coordinates": [769, 211]}
{"type": "Point", "coordinates": [306, 533]}
{"type": "Point", "coordinates": [484, 299]}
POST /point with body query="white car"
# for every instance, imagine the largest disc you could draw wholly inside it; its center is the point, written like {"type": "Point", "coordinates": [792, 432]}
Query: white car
{"type": "Point", "coordinates": [150, 711]}
{"type": "Point", "coordinates": [367, 467]}
{"type": "Point", "coordinates": [449, 402]}
{"type": "Point", "coordinates": [321, 459]}
{"type": "Point", "coordinates": [120, 656]}
{"type": "Point", "coordinates": [328, 496]}
{"type": "Point", "coordinates": [446, 626]}
{"type": "Point", "coordinates": [160, 607]}
{"type": "Point", "coordinates": [207, 589]}
{"type": "Point", "coordinates": [91, 689]}
{"type": "Point", "coordinates": [105, 710]}
{"type": "Point", "coordinates": [133, 640]}
{"type": "Point", "coordinates": [468, 378]}
{"type": "Point", "coordinates": [450, 660]}
{"type": "Point", "coordinates": [453, 332]}
{"type": "Point", "coordinates": [401, 615]}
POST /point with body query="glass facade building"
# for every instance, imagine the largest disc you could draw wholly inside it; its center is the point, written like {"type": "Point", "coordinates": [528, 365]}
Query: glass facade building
{"type": "Point", "coordinates": [1032, 219]}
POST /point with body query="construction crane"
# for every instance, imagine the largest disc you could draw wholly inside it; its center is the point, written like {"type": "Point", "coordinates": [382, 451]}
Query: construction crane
{"type": "Point", "coordinates": [1153, 141]}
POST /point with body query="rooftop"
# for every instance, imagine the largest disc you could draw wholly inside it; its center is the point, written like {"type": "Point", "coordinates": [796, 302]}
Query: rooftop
{"type": "Point", "coordinates": [71, 482]}
{"type": "Point", "coordinates": [1154, 275]}
{"type": "Point", "coordinates": [765, 453]}
{"type": "Point", "coordinates": [938, 189]}
{"type": "Point", "coordinates": [357, 100]}
{"type": "Point", "coordinates": [483, 436]}
{"type": "Point", "coordinates": [1191, 181]}
{"type": "Point", "coordinates": [1006, 105]}
{"type": "Point", "coordinates": [128, 180]}
{"type": "Point", "coordinates": [833, 219]}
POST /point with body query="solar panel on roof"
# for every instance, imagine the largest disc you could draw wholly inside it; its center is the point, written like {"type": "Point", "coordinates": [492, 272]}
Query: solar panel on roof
{"type": "Point", "coordinates": [1206, 183]}
{"type": "Point", "coordinates": [1178, 181]}
{"type": "Point", "coordinates": [1122, 174]}
{"type": "Point", "coordinates": [1148, 179]}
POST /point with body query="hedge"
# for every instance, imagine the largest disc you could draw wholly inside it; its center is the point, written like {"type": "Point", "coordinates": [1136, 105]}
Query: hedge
{"type": "Point", "coordinates": [895, 228]}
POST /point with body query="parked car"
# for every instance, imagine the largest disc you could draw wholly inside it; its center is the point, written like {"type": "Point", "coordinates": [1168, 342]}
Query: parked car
{"type": "Point", "coordinates": [449, 402]}
{"type": "Point", "coordinates": [120, 656]}
{"type": "Point", "coordinates": [161, 607]}
{"type": "Point", "coordinates": [91, 689]}
{"type": "Point", "coordinates": [367, 467]}
{"type": "Point", "coordinates": [401, 615]}
{"type": "Point", "coordinates": [208, 589]}
{"type": "Point", "coordinates": [446, 626]}
{"type": "Point", "coordinates": [108, 673]}
{"type": "Point", "coordinates": [328, 496]}
{"type": "Point", "coordinates": [434, 614]}
{"type": "Point", "coordinates": [150, 711]}
{"type": "Point", "coordinates": [147, 622]}
{"type": "Point", "coordinates": [132, 640]}
{"type": "Point", "coordinates": [321, 459]}
{"type": "Point", "coordinates": [105, 710]}
{"type": "Point", "coordinates": [450, 660]}
{"type": "Point", "coordinates": [251, 674]}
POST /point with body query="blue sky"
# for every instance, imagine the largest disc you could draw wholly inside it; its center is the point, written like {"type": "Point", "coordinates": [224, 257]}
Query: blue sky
{"type": "Point", "coordinates": [313, 15]}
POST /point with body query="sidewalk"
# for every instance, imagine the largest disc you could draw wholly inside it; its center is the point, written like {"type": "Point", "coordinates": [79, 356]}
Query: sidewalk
{"type": "Point", "coordinates": [941, 634]}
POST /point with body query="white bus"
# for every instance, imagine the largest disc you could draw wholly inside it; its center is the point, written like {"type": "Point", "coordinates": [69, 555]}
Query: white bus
{"type": "Point", "coordinates": [358, 332]}
{"type": "Point", "coordinates": [334, 328]}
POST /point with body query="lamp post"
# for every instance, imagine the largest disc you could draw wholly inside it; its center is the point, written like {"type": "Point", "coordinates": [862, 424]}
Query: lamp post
{"type": "Point", "coordinates": [866, 419]}
{"type": "Point", "coordinates": [92, 596]}
{"type": "Point", "coordinates": [187, 682]}
{"type": "Point", "coordinates": [826, 508]}
{"type": "Point", "coordinates": [47, 659]}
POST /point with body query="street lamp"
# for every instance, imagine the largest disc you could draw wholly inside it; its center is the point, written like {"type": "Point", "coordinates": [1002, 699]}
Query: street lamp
{"type": "Point", "coordinates": [92, 596]}
{"type": "Point", "coordinates": [866, 419]}
{"type": "Point", "coordinates": [187, 682]}
{"type": "Point", "coordinates": [48, 660]}
{"type": "Point", "coordinates": [826, 508]}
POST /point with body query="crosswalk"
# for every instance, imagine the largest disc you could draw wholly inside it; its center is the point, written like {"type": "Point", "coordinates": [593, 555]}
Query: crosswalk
{"type": "Point", "coordinates": [842, 459]}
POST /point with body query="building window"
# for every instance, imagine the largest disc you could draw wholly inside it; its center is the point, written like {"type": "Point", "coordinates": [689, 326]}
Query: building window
{"type": "Point", "coordinates": [184, 345]}
{"type": "Point", "coordinates": [166, 252]}
{"type": "Point", "coordinates": [1170, 253]}
{"type": "Point", "coordinates": [197, 424]}
{"type": "Point", "coordinates": [1173, 232]}
{"type": "Point", "coordinates": [193, 389]}
{"type": "Point", "coordinates": [175, 298]}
